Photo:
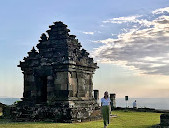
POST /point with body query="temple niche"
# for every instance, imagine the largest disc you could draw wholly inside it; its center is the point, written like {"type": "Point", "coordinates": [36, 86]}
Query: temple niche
{"type": "Point", "coordinates": [58, 78]}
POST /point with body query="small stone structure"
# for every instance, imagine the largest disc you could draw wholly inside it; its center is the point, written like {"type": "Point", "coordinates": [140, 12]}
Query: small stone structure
{"type": "Point", "coordinates": [113, 100]}
{"type": "Point", "coordinates": [57, 80]}
{"type": "Point", "coordinates": [96, 94]}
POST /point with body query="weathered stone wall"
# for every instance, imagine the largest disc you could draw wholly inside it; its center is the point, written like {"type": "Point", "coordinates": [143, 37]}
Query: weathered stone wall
{"type": "Point", "coordinates": [61, 81]}
{"type": "Point", "coordinates": [28, 83]}
{"type": "Point", "coordinates": [61, 111]}
{"type": "Point", "coordinates": [72, 75]}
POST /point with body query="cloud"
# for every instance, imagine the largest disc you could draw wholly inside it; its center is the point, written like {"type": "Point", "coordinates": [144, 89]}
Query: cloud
{"type": "Point", "coordinates": [121, 20]}
{"type": "Point", "coordinates": [106, 41]}
{"type": "Point", "coordinates": [161, 10]}
{"type": "Point", "coordinates": [145, 49]}
{"type": "Point", "coordinates": [129, 19]}
{"type": "Point", "coordinates": [88, 33]}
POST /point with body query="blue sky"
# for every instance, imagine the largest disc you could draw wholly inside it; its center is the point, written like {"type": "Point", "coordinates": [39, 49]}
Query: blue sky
{"type": "Point", "coordinates": [128, 39]}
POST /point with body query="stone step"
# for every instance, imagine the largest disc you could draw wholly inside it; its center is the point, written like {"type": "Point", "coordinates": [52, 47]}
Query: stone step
{"type": "Point", "coordinates": [22, 119]}
{"type": "Point", "coordinates": [24, 116]}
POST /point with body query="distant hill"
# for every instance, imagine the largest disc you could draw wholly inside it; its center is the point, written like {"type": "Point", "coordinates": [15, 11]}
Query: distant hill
{"type": "Point", "coordinates": [9, 101]}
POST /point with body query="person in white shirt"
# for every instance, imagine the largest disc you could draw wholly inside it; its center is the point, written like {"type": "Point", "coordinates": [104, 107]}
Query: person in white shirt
{"type": "Point", "coordinates": [105, 108]}
{"type": "Point", "coordinates": [134, 104]}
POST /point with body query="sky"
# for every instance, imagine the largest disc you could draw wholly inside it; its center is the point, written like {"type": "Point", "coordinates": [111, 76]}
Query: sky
{"type": "Point", "coordinates": [128, 39]}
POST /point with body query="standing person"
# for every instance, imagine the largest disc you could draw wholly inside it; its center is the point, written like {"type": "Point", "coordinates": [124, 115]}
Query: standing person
{"type": "Point", "coordinates": [135, 104]}
{"type": "Point", "coordinates": [105, 108]}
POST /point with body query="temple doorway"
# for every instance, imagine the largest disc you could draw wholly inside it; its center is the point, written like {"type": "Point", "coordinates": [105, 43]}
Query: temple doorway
{"type": "Point", "coordinates": [43, 88]}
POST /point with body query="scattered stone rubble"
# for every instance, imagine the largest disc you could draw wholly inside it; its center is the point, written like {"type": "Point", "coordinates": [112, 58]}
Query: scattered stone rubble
{"type": "Point", "coordinates": [164, 120]}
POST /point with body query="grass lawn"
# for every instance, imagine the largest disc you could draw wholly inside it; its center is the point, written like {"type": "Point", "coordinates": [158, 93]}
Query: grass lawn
{"type": "Point", "coordinates": [124, 120]}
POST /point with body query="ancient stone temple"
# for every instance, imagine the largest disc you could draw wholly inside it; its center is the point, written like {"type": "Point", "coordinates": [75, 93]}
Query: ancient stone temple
{"type": "Point", "coordinates": [58, 78]}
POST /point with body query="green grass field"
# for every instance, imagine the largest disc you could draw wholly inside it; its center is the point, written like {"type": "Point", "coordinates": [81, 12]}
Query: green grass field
{"type": "Point", "coordinates": [123, 120]}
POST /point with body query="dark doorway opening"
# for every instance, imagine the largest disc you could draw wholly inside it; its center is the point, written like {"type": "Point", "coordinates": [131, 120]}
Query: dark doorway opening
{"type": "Point", "coordinates": [44, 89]}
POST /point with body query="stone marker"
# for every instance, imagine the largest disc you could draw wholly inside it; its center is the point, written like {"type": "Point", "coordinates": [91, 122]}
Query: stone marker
{"type": "Point", "coordinates": [96, 94]}
{"type": "Point", "coordinates": [113, 100]}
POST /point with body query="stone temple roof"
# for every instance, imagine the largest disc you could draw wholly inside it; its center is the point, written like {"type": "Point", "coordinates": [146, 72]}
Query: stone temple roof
{"type": "Point", "coordinates": [58, 48]}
